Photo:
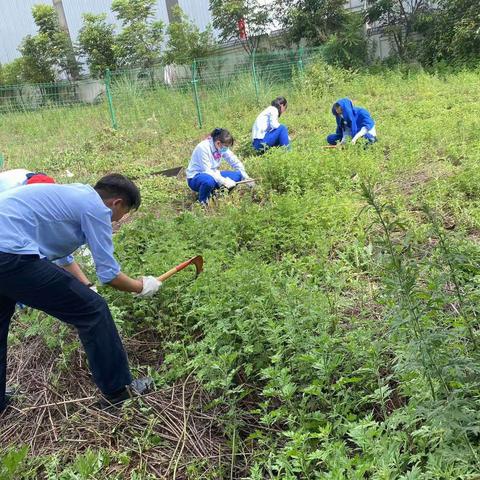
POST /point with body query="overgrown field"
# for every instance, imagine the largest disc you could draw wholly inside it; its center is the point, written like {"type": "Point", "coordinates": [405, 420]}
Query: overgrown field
{"type": "Point", "coordinates": [334, 333]}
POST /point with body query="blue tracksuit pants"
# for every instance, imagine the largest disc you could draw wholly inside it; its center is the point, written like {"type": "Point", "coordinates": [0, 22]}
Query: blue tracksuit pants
{"type": "Point", "coordinates": [274, 138]}
{"type": "Point", "coordinates": [335, 138]}
{"type": "Point", "coordinates": [205, 184]}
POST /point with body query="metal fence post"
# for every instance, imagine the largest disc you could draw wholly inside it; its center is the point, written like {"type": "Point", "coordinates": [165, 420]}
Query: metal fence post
{"type": "Point", "coordinates": [108, 90]}
{"type": "Point", "coordinates": [254, 75]}
{"type": "Point", "coordinates": [300, 60]}
{"type": "Point", "coordinates": [195, 94]}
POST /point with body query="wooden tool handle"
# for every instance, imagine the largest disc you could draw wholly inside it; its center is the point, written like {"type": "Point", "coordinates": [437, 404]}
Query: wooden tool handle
{"type": "Point", "coordinates": [248, 180]}
{"type": "Point", "coordinates": [173, 270]}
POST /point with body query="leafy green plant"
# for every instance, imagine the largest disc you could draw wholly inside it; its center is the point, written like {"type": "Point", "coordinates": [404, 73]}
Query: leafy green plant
{"type": "Point", "coordinates": [96, 41]}
{"type": "Point", "coordinates": [11, 462]}
{"type": "Point", "coordinates": [140, 41]}
{"type": "Point", "coordinates": [325, 344]}
{"type": "Point", "coordinates": [185, 40]}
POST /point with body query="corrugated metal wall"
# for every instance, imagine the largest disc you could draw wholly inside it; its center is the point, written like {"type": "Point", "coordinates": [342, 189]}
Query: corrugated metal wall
{"type": "Point", "coordinates": [75, 8]}
{"type": "Point", "coordinates": [15, 22]}
{"type": "Point", "coordinates": [197, 10]}
{"type": "Point", "coordinates": [16, 18]}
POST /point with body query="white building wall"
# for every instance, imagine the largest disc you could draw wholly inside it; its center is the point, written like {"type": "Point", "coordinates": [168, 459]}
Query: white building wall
{"type": "Point", "coordinates": [355, 4]}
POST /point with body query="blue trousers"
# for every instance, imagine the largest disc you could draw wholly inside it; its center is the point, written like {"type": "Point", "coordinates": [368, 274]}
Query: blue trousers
{"type": "Point", "coordinates": [205, 184]}
{"type": "Point", "coordinates": [274, 138]}
{"type": "Point", "coordinates": [42, 285]}
{"type": "Point", "coordinates": [334, 138]}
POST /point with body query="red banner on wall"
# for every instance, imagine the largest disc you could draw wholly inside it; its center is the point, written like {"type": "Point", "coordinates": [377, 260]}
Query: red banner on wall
{"type": "Point", "coordinates": [242, 31]}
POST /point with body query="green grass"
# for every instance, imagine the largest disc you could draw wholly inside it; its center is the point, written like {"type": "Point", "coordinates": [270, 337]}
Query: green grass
{"type": "Point", "coordinates": [336, 321]}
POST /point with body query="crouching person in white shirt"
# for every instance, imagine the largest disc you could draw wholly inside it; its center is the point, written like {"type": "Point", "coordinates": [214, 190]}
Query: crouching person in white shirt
{"type": "Point", "coordinates": [267, 131]}
{"type": "Point", "coordinates": [203, 172]}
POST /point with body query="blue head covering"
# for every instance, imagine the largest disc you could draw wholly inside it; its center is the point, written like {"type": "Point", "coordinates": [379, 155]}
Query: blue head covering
{"type": "Point", "coordinates": [348, 114]}
{"type": "Point", "coordinates": [353, 117]}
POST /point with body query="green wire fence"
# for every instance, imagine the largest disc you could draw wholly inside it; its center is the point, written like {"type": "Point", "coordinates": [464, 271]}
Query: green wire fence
{"type": "Point", "coordinates": [126, 97]}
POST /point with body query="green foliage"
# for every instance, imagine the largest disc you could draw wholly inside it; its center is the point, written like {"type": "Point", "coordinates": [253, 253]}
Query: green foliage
{"type": "Point", "coordinates": [312, 20]}
{"type": "Point", "coordinates": [321, 79]}
{"type": "Point", "coordinates": [451, 33]}
{"type": "Point", "coordinates": [37, 60]}
{"type": "Point", "coordinates": [140, 40]}
{"type": "Point", "coordinates": [256, 15]}
{"type": "Point", "coordinates": [12, 73]}
{"type": "Point", "coordinates": [398, 18]}
{"type": "Point", "coordinates": [335, 327]}
{"type": "Point", "coordinates": [96, 41]}
{"type": "Point", "coordinates": [186, 42]}
{"type": "Point", "coordinates": [11, 463]}
{"type": "Point", "coordinates": [49, 52]}
{"type": "Point", "coordinates": [86, 466]}
{"type": "Point", "coordinates": [348, 48]}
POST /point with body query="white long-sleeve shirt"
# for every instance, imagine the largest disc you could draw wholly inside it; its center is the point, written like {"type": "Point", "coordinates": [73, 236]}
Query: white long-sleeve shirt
{"type": "Point", "coordinates": [13, 178]}
{"type": "Point", "coordinates": [348, 133]}
{"type": "Point", "coordinates": [265, 122]}
{"type": "Point", "coordinates": [207, 159]}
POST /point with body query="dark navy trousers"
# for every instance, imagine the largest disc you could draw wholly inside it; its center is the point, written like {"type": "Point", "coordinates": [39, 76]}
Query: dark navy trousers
{"type": "Point", "coordinates": [42, 285]}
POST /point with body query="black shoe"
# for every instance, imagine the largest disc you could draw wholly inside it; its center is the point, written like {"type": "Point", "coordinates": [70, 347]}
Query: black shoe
{"type": "Point", "coordinates": [9, 396]}
{"type": "Point", "coordinates": [139, 386]}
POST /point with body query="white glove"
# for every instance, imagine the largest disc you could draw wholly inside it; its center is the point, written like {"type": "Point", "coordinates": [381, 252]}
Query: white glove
{"type": "Point", "coordinates": [150, 286]}
{"type": "Point", "coordinates": [228, 182]}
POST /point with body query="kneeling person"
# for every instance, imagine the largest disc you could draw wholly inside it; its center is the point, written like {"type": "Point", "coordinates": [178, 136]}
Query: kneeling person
{"type": "Point", "coordinates": [355, 122]}
{"type": "Point", "coordinates": [267, 131]}
{"type": "Point", "coordinates": [203, 172]}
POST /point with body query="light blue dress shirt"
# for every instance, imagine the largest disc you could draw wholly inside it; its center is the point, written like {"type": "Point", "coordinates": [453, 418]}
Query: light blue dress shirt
{"type": "Point", "coordinates": [52, 221]}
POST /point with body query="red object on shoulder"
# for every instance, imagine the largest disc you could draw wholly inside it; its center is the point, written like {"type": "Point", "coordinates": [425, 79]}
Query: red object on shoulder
{"type": "Point", "coordinates": [40, 178]}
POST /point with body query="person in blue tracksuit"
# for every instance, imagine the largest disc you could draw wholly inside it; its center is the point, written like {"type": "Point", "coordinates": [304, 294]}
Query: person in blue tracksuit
{"type": "Point", "coordinates": [354, 122]}
{"type": "Point", "coordinates": [267, 131]}
{"type": "Point", "coordinates": [203, 172]}
{"type": "Point", "coordinates": [43, 223]}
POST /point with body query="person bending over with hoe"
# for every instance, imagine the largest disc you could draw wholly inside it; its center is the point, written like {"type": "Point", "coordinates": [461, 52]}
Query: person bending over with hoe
{"type": "Point", "coordinates": [354, 122]}
{"type": "Point", "coordinates": [203, 172]}
{"type": "Point", "coordinates": [19, 176]}
{"type": "Point", "coordinates": [267, 131]}
{"type": "Point", "coordinates": [49, 222]}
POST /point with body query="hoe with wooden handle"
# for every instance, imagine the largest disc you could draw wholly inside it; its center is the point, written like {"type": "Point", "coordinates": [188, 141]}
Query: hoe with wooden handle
{"type": "Point", "coordinates": [246, 182]}
{"type": "Point", "coordinates": [197, 261]}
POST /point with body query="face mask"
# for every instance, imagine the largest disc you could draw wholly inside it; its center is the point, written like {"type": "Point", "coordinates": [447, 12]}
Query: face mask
{"type": "Point", "coordinates": [223, 150]}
